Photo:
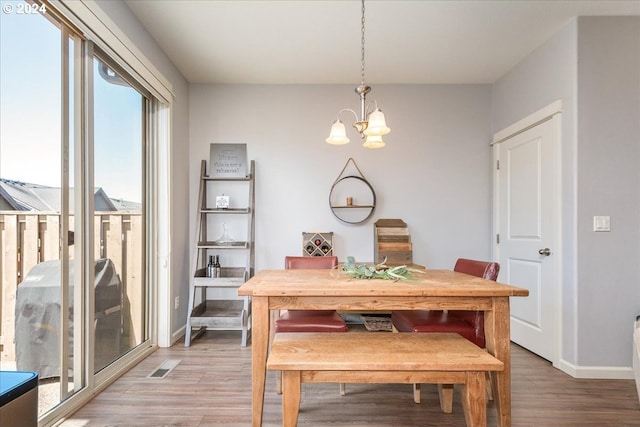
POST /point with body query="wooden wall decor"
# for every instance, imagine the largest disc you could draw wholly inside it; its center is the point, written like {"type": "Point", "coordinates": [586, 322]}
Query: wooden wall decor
{"type": "Point", "coordinates": [392, 240]}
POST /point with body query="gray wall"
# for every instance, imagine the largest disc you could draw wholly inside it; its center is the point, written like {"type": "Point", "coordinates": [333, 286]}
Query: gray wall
{"type": "Point", "coordinates": [434, 173]}
{"type": "Point", "coordinates": [608, 184]}
{"type": "Point", "coordinates": [546, 75]}
{"type": "Point", "coordinates": [592, 66]}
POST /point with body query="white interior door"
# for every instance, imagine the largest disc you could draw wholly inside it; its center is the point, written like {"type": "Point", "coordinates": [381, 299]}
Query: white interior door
{"type": "Point", "coordinates": [528, 224]}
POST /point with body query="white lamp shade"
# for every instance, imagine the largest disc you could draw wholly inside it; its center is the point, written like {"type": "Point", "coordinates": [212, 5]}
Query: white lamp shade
{"type": "Point", "coordinates": [338, 135]}
{"type": "Point", "coordinates": [377, 125]}
{"type": "Point", "coordinates": [373, 141]}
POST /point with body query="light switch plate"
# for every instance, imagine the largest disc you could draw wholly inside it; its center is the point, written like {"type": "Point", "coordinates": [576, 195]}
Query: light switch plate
{"type": "Point", "coordinates": [602, 223]}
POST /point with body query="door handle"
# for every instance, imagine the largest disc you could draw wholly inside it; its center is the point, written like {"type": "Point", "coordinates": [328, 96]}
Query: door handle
{"type": "Point", "coordinates": [545, 251]}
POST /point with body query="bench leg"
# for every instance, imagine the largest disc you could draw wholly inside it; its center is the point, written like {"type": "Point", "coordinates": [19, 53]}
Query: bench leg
{"type": "Point", "coordinates": [473, 399]}
{"type": "Point", "coordinates": [279, 382]}
{"type": "Point", "coordinates": [445, 393]}
{"type": "Point", "coordinates": [290, 398]}
{"type": "Point", "coordinates": [343, 390]}
{"type": "Point", "coordinates": [488, 387]}
{"type": "Point", "coordinates": [416, 393]}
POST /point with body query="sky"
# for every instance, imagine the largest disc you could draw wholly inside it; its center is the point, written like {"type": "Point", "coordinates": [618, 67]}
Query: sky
{"type": "Point", "coordinates": [30, 111]}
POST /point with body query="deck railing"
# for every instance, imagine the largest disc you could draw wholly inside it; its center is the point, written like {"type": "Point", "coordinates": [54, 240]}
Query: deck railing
{"type": "Point", "coordinates": [28, 238]}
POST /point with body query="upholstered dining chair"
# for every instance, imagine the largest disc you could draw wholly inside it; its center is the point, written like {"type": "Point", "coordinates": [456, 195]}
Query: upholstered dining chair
{"type": "Point", "coordinates": [308, 320]}
{"type": "Point", "coordinates": [469, 324]}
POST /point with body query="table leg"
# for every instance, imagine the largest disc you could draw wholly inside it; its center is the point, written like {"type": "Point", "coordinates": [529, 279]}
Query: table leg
{"type": "Point", "coordinates": [259, 345]}
{"type": "Point", "coordinates": [498, 342]}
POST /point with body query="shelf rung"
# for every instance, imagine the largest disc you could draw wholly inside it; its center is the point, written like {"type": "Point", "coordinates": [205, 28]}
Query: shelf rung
{"type": "Point", "coordinates": [231, 178]}
{"type": "Point", "coordinates": [226, 211]}
{"type": "Point", "coordinates": [229, 245]}
{"type": "Point", "coordinates": [352, 206]}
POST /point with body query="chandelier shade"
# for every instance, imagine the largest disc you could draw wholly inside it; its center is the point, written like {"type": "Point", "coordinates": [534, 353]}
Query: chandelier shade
{"type": "Point", "coordinates": [377, 124]}
{"type": "Point", "coordinates": [374, 141]}
{"type": "Point", "coordinates": [338, 135]}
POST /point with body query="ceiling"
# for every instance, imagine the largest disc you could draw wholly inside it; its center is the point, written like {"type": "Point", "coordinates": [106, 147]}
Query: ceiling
{"type": "Point", "coordinates": [318, 42]}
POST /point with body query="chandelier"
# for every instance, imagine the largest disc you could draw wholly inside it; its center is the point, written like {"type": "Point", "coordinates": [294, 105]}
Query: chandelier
{"type": "Point", "coordinates": [370, 125]}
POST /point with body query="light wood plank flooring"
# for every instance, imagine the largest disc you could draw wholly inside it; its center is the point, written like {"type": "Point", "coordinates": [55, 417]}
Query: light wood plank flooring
{"type": "Point", "coordinates": [212, 387]}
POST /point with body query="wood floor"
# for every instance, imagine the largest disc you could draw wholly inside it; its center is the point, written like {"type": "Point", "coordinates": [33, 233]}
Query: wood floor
{"type": "Point", "coordinates": [212, 387]}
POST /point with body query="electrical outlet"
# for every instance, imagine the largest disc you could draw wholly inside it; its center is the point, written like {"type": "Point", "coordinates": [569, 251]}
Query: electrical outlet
{"type": "Point", "coordinates": [177, 303]}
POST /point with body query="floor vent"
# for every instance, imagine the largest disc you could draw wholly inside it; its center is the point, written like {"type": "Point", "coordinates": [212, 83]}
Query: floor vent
{"type": "Point", "coordinates": [164, 368]}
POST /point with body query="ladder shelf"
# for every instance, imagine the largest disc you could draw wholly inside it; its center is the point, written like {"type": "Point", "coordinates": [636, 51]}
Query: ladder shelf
{"type": "Point", "coordinates": [207, 309]}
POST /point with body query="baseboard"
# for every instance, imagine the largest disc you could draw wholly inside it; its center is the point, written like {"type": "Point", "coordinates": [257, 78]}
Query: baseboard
{"type": "Point", "coordinates": [597, 372]}
{"type": "Point", "coordinates": [610, 372]}
{"type": "Point", "coordinates": [177, 335]}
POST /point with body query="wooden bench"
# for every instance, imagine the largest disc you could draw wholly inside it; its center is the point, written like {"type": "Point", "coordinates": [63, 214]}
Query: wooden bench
{"type": "Point", "coordinates": [382, 357]}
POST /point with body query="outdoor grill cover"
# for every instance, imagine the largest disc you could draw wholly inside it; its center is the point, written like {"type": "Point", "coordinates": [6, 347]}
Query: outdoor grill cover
{"type": "Point", "coordinates": [37, 323]}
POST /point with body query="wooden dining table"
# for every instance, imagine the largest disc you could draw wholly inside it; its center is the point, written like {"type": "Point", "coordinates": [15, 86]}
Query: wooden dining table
{"type": "Point", "coordinates": [331, 289]}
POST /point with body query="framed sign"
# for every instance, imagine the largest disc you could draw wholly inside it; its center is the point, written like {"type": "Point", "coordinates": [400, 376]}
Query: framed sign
{"type": "Point", "coordinates": [222, 202]}
{"type": "Point", "coordinates": [228, 160]}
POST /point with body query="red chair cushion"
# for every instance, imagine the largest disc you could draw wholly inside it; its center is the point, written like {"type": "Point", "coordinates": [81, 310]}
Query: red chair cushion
{"type": "Point", "coordinates": [436, 321]}
{"type": "Point", "coordinates": [310, 321]}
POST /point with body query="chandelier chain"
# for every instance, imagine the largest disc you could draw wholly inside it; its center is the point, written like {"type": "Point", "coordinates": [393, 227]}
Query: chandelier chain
{"type": "Point", "coordinates": [362, 46]}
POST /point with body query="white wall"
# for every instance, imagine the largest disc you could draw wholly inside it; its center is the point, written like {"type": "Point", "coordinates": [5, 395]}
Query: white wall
{"type": "Point", "coordinates": [434, 173]}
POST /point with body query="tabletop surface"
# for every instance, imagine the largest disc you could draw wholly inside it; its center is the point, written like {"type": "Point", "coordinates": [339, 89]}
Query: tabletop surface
{"type": "Point", "coordinates": [429, 282]}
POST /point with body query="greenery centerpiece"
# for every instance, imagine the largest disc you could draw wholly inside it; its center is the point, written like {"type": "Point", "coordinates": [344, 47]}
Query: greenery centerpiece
{"type": "Point", "coordinates": [377, 271]}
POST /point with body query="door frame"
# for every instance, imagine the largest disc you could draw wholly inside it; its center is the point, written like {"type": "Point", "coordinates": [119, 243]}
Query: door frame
{"type": "Point", "coordinates": [546, 113]}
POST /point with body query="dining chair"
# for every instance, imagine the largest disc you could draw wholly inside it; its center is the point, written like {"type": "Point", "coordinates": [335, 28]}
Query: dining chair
{"type": "Point", "coordinates": [308, 320]}
{"type": "Point", "coordinates": [469, 324]}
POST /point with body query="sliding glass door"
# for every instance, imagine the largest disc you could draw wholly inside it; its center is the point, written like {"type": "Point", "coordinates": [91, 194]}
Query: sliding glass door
{"type": "Point", "coordinates": [39, 319]}
{"type": "Point", "coordinates": [73, 222]}
{"type": "Point", "coordinates": [119, 111]}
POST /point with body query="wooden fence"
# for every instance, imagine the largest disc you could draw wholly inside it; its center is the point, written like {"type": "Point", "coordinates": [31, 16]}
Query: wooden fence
{"type": "Point", "coordinates": [28, 238]}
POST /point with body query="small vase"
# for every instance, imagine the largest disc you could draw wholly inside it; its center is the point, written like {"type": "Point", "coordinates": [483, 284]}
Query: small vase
{"type": "Point", "coordinates": [225, 237]}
